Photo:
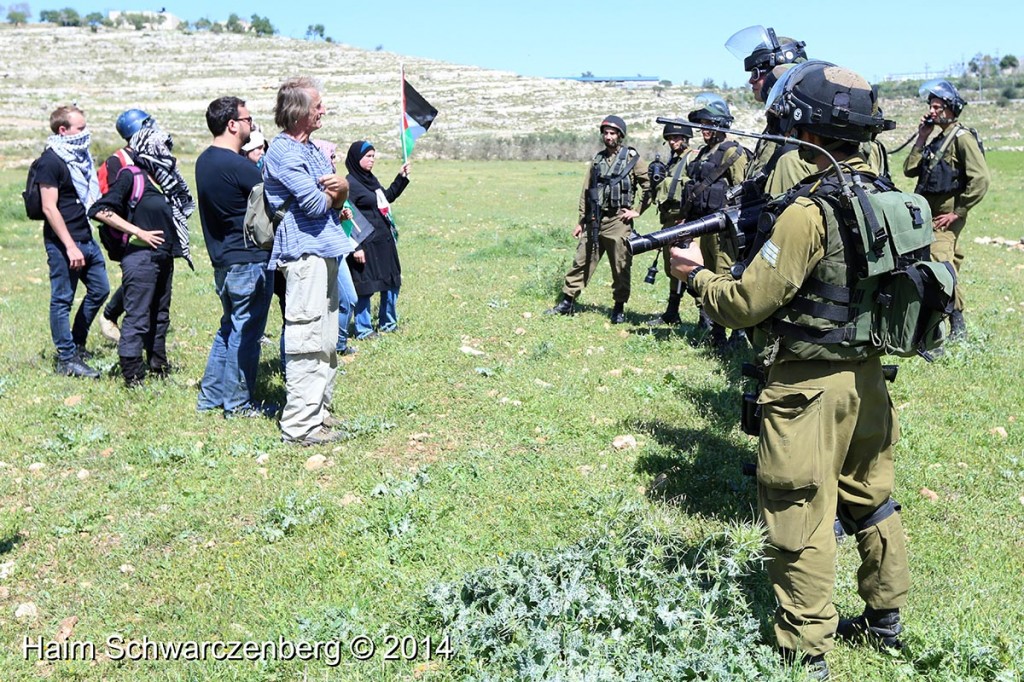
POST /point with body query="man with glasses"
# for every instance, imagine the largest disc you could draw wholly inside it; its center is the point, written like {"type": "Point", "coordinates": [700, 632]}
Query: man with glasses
{"type": "Point", "coordinates": [224, 179]}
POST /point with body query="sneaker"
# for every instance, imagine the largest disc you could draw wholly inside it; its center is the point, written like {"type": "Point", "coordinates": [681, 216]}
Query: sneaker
{"type": "Point", "coordinates": [253, 411]}
{"type": "Point", "coordinates": [879, 628]}
{"type": "Point", "coordinates": [320, 436]}
{"type": "Point", "coordinates": [347, 350]}
{"type": "Point", "coordinates": [331, 422]}
{"type": "Point", "coordinates": [76, 367]}
{"type": "Point", "coordinates": [109, 329]}
{"type": "Point", "coordinates": [368, 337]}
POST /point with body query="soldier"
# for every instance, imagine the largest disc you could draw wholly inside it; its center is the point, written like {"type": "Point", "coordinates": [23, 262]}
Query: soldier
{"type": "Point", "coordinates": [951, 174]}
{"type": "Point", "coordinates": [669, 193]}
{"type": "Point", "coordinates": [606, 219]}
{"type": "Point", "coordinates": [827, 425]}
{"type": "Point", "coordinates": [774, 168]}
{"type": "Point", "coordinates": [719, 165]}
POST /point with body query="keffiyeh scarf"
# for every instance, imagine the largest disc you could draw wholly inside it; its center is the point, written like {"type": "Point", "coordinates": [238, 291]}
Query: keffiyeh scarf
{"type": "Point", "coordinates": [74, 151]}
{"type": "Point", "coordinates": [152, 147]}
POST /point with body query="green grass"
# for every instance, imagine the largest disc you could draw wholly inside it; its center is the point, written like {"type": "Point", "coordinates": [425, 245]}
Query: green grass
{"type": "Point", "coordinates": [184, 531]}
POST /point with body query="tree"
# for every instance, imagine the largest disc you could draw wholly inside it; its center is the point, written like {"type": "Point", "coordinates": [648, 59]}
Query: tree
{"type": "Point", "coordinates": [261, 26]}
{"type": "Point", "coordinates": [234, 24]}
{"type": "Point", "coordinates": [1009, 63]}
{"type": "Point", "coordinates": [708, 83]}
{"type": "Point", "coordinates": [203, 24]}
{"type": "Point", "coordinates": [93, 19]}
{"type": "Point", "coordinates": [19, 13]}
{"type": "Point", "coordinates": [315, 31]}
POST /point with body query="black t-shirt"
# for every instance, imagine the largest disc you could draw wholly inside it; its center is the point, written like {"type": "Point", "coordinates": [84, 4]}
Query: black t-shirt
{"type": "Point", "coordinates": [223, 182]}
{"type": "Point", "coordinates": [53, 170]}
{"type": "Point", "coordinates": [151, 213]}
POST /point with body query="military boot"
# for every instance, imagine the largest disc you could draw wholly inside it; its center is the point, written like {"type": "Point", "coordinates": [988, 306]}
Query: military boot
{"type": "Point", "coordinates": [133, 369]}
{"type": "Point", "coordinates": [880, 628]}
{"type": "Point", "coordinates": [671, 314]}
{"type": "Point", "coordinates": [816, 667]}
{"type": "Point", "coordinates": [618, 315]}
{"type": "Point", "coordinates": [957, 326]}
{"type": "Point", "coordinates": [567, 306]}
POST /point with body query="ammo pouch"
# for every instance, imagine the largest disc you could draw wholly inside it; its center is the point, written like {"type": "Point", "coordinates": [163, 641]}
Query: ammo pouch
{"type": "Point", "coordinates": [704, 198]}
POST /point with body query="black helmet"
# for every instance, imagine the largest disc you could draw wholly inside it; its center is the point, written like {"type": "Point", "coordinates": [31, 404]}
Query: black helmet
{"type": "Point", "coordinates": [711, 109]}
{"type": "Point", "coordinates": [827, 100]}
{"type": "Point", "coordinates": [677, 129]}
{"type": "Point", "coordinates": [614, 122]}
{"type": "Point", "coordinates": [944, 90]}
{"type": "Point", "coordinates": [759, 48]}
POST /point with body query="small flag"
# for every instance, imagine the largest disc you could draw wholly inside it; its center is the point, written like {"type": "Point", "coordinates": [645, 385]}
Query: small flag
{"type": "Point", "coordinates": [417, 115]}
{"type": "Point", "coordinates": [359, 228]}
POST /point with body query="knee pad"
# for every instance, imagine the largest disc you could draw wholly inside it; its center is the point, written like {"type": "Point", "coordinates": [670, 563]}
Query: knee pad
{"type": "Point", "coordinates": [880, 513]}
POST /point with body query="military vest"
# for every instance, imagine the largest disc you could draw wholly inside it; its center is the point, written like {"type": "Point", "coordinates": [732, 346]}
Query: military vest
{"type": "Point", "coordinates": [875, 290]}
{"type": "Point", "coordinates": [669, 208]}
{"type": "Point", "coordinates": [614, 182]}
{"type": "Point", "coordinates": [938, 175]}
{"type": "Point", "coordinates": [705, 190]}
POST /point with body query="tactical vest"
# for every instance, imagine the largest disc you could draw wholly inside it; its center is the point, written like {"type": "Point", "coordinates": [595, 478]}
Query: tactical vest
{"type": "Point", "coordinates": [669, 208]}
{"type": "Point", "coordinates": [708, 183]}
{"type": "Point", "coordinates": [938, 175]}
{"type": "Point", "coordinates": [614, 182]}
{"type": "Point", "coordinates": [875, 290]}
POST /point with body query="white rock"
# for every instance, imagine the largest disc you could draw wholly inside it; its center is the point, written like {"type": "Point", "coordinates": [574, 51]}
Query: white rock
{"type": "Point", "coordinates": [315, 462]}
{"type": "Point", "coordinates": [83, 474]}
{"type": "Point", "coordinates": [263, 458]}
{"type": "Point", "coordinates": [126, 569]}
{"type": "Point", "coordinates": [6, 569]}
{"type": "Point", "coordinates": [626, 442]}
{"type": "Point", "coordinates": [36, 466]}
{"type": "Point", "coordinates": [469, 350]}
{"type": "Point", "coordinates": [26, 611]}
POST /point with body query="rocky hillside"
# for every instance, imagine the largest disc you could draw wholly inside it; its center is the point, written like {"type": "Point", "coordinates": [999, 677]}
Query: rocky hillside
{"type": "Point", "coordinates": [174, 76]}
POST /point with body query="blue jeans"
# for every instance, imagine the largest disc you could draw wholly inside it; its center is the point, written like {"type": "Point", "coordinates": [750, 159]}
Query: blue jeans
{"type": "Point", "coordinates": [346, 303]}
{"type": "Point", "coordinates": [387, 316]}
{"type": "Point", "coordinates": [63, 283]}
{"type": "Point", "coordinates": [245, 291]}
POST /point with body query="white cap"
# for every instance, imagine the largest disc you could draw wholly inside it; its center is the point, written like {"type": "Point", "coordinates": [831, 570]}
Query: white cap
{"type": "Point", "coordinates": [256, 140]}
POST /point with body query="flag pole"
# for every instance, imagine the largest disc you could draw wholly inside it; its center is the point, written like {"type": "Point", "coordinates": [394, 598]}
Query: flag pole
{"type": "Point", "coordinates": [401, 123]}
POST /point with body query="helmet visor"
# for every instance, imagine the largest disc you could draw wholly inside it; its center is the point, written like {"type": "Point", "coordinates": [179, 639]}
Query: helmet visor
{"type": "Point", "coordinates": [713, 104]}
{"type": "Point", "coordinates": [939, 88]}
{"type": "Point", "coordinates": [743, 43]}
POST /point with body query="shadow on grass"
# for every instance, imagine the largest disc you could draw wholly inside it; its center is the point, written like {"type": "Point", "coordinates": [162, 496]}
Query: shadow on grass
{"type": "Point", "coordinates": [8, 543]}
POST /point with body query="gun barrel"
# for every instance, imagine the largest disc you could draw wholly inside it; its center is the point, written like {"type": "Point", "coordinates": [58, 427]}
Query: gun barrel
{"type": "Point", "coordinates": [710, 224]}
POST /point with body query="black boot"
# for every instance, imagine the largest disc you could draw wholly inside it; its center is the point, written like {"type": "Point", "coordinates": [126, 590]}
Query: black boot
{"type": "Point", "coordinates": [133, 369]}
{"type": "Point", "coordinates": [76, 367]}
{"type": "Point", "coordinates": [567, 306]}
{"type": "Point", "coordinates": [881, 628]}
{"type": "Point", "coordinates": [710, 333]}
{"type": "Point", "coordinates": [671, 314]}
{"type": "Point", "coordinates": [737, 341]}
{"type": "Point", "coordinates": [815, 666]}
{"type": "Point", "coordinates": [957, 326]}
{"type": "Point", "coordinates": [618, 316]}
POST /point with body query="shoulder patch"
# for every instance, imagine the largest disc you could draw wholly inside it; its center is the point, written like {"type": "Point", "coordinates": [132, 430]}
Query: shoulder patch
{"type": "Point", "coordinates": [632, 152]}
{"type": "Point", "coordinates": [770, 253]}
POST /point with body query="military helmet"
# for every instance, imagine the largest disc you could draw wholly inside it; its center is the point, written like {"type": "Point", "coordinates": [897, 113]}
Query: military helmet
{"type": "Point", "coordinates": [676, 128]}
{"type": "Point", "coordinates": [944, 90]}
{"type": "Point", "coordinates": [760, 48]}
{"type": "Point", "coordinates": [827, 100]}
{"type": "Point", "coordinates": [614, 122]}
{"type": "Point", "coordinates": [131, 122]}
{"type": "Point", "coordinates": [772, 78]}
{"type": "Point", "coordinates": [711, 109]}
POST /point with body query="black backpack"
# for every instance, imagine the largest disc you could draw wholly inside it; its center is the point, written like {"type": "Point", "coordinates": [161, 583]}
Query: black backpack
{"type": "Point", "coordinates": [31, 197]}
{"type": "Point", "coordinates": [115, 241]}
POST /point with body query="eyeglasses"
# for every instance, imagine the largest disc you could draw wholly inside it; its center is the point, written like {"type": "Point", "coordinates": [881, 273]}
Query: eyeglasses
{"type": "Point", "coordinates": [247, 119]}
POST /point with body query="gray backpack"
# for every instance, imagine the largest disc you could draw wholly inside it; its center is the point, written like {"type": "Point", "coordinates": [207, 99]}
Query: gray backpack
{"type": "Point", "coordinates": [260, 224]}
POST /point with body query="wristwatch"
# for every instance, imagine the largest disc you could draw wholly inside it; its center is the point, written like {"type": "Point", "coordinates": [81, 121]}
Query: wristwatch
{"type": "Point", "coordinates": [689, 280]}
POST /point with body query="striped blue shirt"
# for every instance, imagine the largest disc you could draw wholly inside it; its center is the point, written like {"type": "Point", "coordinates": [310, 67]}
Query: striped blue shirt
{"type": "Point", "coordinates": [310, 226]}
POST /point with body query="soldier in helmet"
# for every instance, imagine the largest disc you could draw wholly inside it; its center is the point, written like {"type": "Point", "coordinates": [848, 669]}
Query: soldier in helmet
{"type": "Point", "coordinates": [951, 174]}
{"type": "Point", "coordinates": [669, 195]}
{"type": "Point", "coordinates": [719, 165]}
{"type": "Point", "coordinates": [827, 425]}
{"type": "Point", "coordinates": [616, 181]}
{"type": "Point", "coordinates": [775, 168]}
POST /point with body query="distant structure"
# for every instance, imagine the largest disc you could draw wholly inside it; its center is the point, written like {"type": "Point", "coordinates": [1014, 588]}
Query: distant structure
{"type": "Point", "coordinates": [620, 81]}
{"type": "Point", "coordinates": [157, 21]}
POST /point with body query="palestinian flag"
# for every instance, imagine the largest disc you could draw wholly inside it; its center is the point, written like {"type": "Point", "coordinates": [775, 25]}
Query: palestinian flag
{"type": "Point", "coordinates": [417, 115]}
{"type": "Point", "coordinates": [359, 228]}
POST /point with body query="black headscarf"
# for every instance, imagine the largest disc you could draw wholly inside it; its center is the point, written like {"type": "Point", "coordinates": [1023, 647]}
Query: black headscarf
{"type": "Point", "coordinates": [356, 152]}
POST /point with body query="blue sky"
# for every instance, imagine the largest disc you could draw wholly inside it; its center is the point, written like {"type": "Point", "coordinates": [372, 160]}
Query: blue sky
{"type": "Point", "coordinates": [567, 37]}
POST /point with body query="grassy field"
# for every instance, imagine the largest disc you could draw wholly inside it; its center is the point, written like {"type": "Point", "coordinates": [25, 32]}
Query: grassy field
{"type": "Point", "coordinates": [482, 441]}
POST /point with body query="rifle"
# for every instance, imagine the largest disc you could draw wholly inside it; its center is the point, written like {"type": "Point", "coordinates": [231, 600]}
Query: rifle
{"type": "Point", "coordinates": [592, 209]}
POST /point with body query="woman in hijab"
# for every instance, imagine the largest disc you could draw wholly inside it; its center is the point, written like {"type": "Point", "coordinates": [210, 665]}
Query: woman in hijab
{"type": "Point", "coordinates": [156, 224]}
{"type": "Point", "coordinates": [375, 265]}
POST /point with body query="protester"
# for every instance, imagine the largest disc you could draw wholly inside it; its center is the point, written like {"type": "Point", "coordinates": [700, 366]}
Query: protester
{"type": "Point", "coordinates": [375, 265]}
{"type": "Point", "coordinates": [224, 179]}
{"type": "Point", "coordinates": [158, 229]}
{"type": "Point", "coordinates": [309, 242]}
{"type": "Point", "coordinates": [68, 186]}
